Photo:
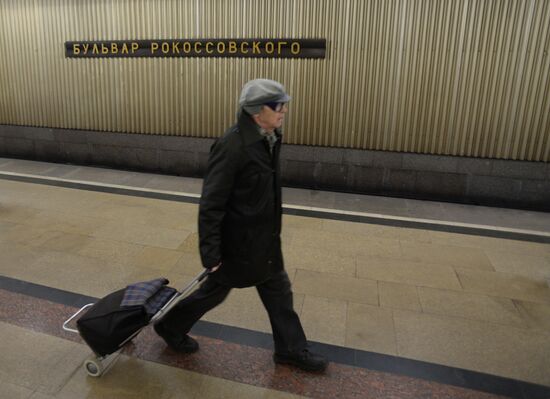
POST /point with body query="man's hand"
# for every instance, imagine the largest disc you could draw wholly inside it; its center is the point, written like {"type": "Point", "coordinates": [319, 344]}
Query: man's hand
{"type": "Point", "coordinates": [213, 269]}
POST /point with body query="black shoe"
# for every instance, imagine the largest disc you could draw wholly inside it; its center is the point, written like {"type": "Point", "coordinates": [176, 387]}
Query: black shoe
{"type": "Point", "coordinates": [178, 342]}
{"type": "Point", "coordinates": [305, 360]}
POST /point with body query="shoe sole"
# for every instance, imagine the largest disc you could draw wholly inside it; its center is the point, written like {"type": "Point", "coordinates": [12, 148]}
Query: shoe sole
{"type": "Point", "coordinates": [178, 349]}
{"type": "Point", "coordinates": [161, 333]}
{"type": "Point", "coordinates": [185, 351]}
{"type": "Point", "coordinates": [294, 363]}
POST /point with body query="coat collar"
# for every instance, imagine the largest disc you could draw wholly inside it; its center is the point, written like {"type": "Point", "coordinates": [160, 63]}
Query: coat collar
{"type": "Point", "coordinates": [250, 131]}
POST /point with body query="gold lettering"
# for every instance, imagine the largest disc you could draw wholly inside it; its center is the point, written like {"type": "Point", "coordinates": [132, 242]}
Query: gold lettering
{"type": "Point", "coordinates": [187, 47]}
{"type": "Point", "coordinates": [221, 47]}
{"type": "Point", "coordinates": [124, 49]}
{"type": "Point", "coordinates": [232, 47]}
{"type": "Point", "coordinates": [269, 47]}
{"type": "Point", "coordinates": [165, 47]}
{"type": "Point", "coordinates": [104, 49]}
{"type": "Point", "coordinates": [86, 47]}
{"type": "Point", "coordinates": [208, 47]}
{"type": "Point", "coordinates": [175, 48]}
{"type": "Point", "coordinates": [243, 45]}
{"type": "Point", "coordinates": [76, 49]}
{"type": "Point", "coordinates": [295, 48]}
{"type": "Point", "coordinates": [114, 48]}
{"type": "Point", "coordinates": [154, 47]}
{"type": "Point", "coordinates": [135, 47]}
{"type": "Point", "coordinates": [197, 46]}
{"type": "Point", "coordinates": [256, 48]}
{"type": "Point", "coordinates": [280, 44]}
{"type": "Point", "coordinates": [95, 49]}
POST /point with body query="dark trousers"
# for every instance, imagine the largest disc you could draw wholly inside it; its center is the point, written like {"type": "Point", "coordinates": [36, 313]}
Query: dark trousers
{"type": "Point", "coordinates": [276, 295]}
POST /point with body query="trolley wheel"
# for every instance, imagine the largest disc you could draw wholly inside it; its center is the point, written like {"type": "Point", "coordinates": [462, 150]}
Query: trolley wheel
{"type": "Point", "coordinates": [94, 366]}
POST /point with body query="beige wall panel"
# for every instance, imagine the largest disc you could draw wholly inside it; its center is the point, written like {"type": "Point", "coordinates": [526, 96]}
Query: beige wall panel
{"type": "Point", "coordinates": [460, 77]}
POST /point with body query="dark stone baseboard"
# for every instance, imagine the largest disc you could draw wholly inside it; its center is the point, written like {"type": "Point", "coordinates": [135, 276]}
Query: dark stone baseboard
{"type": "Point", "coordinates": [492, 182]}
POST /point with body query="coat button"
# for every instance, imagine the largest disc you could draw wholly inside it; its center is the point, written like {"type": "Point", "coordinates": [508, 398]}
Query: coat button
{"type": "Point", "coordinates": [269, 261]}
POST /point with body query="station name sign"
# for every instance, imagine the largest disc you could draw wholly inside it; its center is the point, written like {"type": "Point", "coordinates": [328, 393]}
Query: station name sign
{"type": "Point", "coordinates": [233, 48]}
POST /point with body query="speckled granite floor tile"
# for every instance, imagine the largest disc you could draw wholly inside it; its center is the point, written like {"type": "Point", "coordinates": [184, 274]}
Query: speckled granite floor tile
{"type": "Point", "coordinates": [240, 363]}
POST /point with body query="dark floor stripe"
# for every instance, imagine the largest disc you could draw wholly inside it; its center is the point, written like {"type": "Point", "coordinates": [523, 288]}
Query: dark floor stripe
{"type": "Point", "coordinates": [43, 292]}
{"type": "Point", "coordinates": [420, 225]}
{"type": "Point", "coordinates": [346, 356]}
{"type": "Point", "coordinates": [292, 211]}
{"type": "Point", "coordinates": [101, 189]}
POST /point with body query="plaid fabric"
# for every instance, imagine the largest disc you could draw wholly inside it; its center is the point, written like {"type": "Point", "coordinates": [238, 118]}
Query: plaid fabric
{"type": "Point", "coordinates": [152, 295]}
{"type": "Point", "coordinates": [157, 301]}
{"type": "Point", "coordinates": [139, 293]}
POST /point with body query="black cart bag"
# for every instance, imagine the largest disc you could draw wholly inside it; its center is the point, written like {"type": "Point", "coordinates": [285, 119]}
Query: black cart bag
{"type": "Point", "coordinates": [116, 318]}
{"type": "Point", "coordinates": [107, 325]}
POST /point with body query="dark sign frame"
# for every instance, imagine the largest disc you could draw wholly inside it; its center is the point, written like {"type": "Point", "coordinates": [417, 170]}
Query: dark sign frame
{"type": "Point", "coordinates": [185, 48]}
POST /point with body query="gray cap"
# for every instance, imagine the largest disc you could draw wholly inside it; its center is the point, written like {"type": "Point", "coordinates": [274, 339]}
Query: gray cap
{"type": "Point", "coordinates": [257, 92]}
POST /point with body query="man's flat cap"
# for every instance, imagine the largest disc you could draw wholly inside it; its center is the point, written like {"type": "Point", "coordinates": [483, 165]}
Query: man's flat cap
{"type": "Point", "coordinates": [258, 92]}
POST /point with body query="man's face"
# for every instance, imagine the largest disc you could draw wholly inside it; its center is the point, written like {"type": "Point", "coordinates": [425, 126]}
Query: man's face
{"type": "Point", "coordinates": [271, 116]}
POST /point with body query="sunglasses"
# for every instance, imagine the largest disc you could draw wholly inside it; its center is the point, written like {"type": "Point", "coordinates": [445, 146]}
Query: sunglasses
{"type": "Point", "coordinates": [277, 107]}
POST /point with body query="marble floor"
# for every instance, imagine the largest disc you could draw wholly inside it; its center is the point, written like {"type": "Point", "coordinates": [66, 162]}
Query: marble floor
{"type": "Point", "coordinates": [407, 298]}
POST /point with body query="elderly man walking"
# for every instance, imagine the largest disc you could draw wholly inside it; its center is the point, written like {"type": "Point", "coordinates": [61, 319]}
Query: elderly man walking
{"type": "Point", "coordinates": [239, 228]}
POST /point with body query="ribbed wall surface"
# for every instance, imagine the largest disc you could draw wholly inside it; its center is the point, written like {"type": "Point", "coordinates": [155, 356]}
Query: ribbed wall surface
{"type": "Point", "coordinates": [460, 77]}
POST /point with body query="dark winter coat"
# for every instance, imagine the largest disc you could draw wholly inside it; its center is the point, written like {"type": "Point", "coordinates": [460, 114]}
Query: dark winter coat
{"type": "Point", "coordinates": [240, 207]}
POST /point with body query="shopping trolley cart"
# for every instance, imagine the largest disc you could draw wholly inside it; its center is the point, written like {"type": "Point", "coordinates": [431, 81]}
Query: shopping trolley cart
{"type": "Point", "coordinates": [129, 323]}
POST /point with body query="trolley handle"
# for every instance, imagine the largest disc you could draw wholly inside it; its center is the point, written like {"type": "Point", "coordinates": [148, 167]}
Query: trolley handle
{"type": "Point", "coordinates": [178, 296]}
{"type": "Point", "coordinates": [74, 316]}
